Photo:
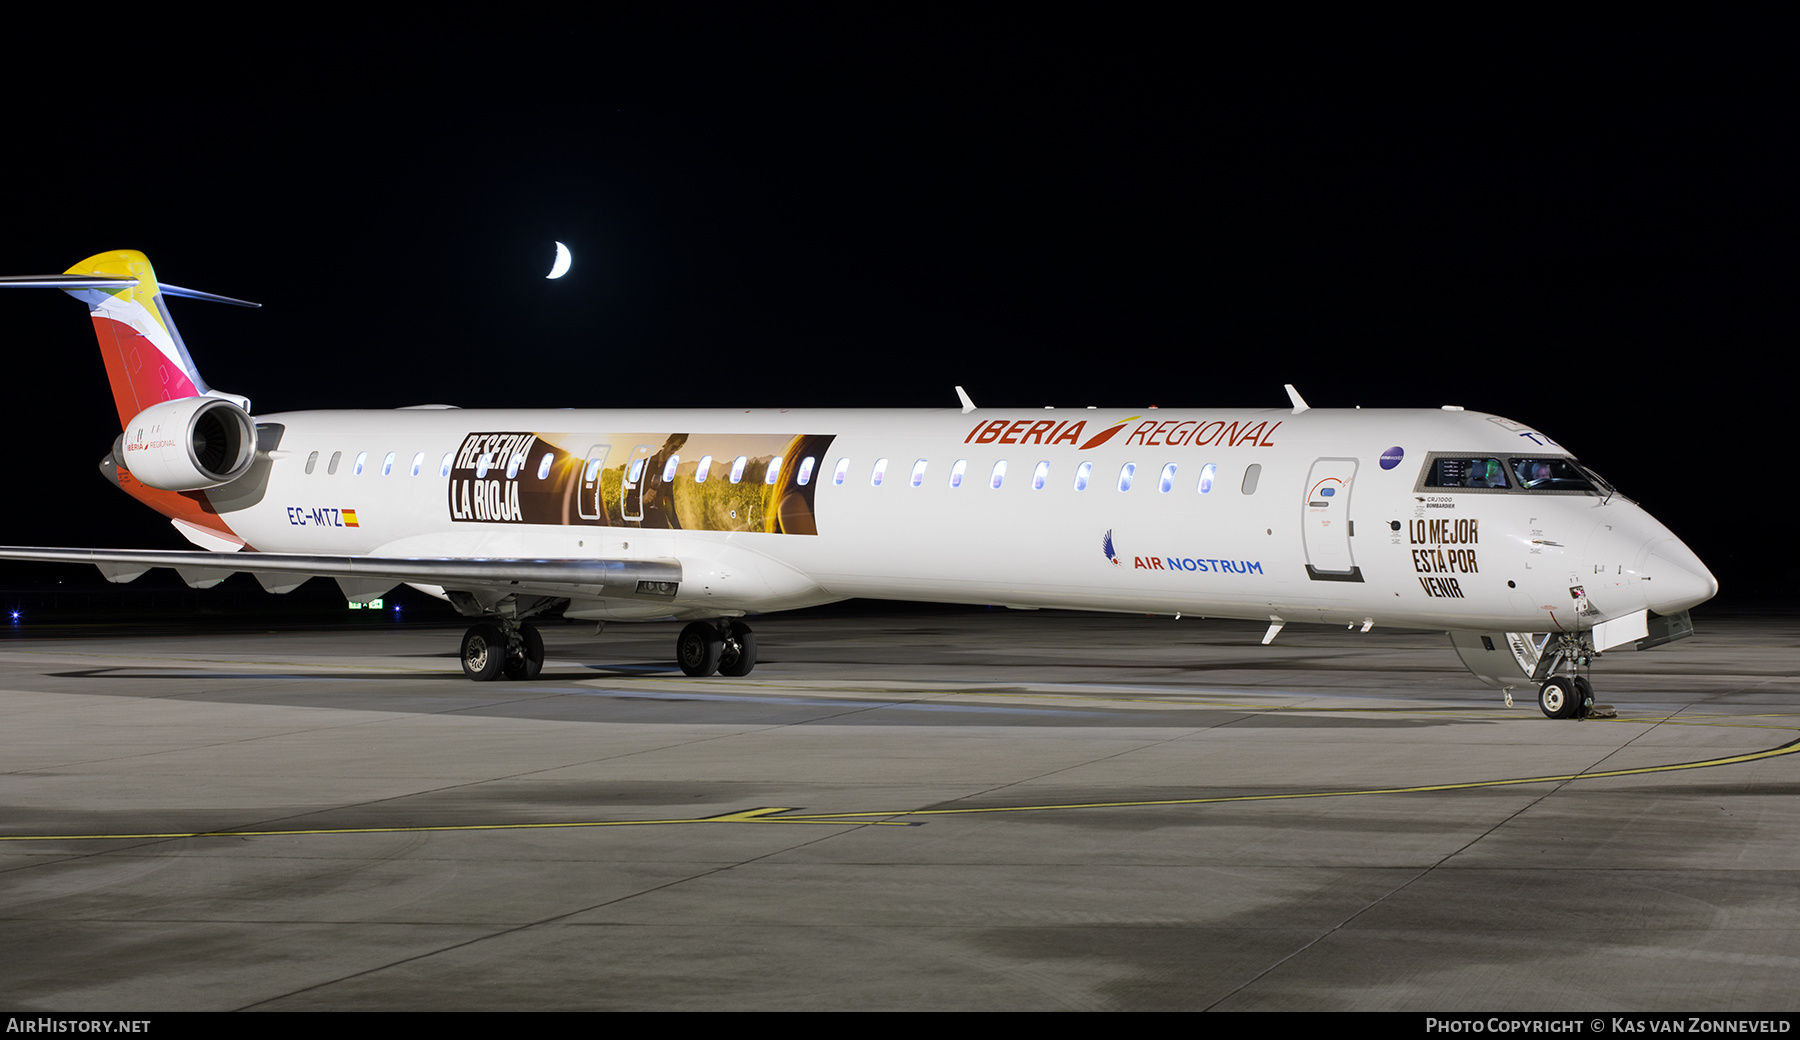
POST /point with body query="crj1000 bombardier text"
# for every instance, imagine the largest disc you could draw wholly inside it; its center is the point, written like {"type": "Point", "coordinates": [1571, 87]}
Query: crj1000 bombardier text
{"type": "Point", "coordinates": [1430, 518]}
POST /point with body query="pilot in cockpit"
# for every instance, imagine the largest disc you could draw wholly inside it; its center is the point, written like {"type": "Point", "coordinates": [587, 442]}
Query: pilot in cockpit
{"type": "Point", "coordinates": [1485, 473]}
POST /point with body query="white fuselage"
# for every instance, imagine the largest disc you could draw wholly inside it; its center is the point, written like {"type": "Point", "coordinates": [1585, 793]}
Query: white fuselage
{"type": "Point", "coordinates": [1336, 525]}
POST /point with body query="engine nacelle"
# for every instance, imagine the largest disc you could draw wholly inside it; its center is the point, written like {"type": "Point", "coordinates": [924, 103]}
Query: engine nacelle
{"type": "Point", "coordinates": [188, 444]}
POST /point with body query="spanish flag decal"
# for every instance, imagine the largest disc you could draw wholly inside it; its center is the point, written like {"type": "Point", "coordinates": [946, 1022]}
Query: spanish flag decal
{"type": "Point", "coordinates": [350, 518]}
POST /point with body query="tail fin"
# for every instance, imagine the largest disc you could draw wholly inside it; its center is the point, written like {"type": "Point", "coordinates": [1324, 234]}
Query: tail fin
{"type": "Point", "coordinates": [146, 361]}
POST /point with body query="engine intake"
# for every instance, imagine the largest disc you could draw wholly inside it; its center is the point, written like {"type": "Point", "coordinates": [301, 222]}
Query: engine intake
{"type": "Point", "coordinates": [188, 444]}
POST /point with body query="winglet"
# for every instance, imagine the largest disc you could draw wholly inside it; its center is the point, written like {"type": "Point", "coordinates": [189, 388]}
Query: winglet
{"type": "Point", "coordinates": [1300, 404]}
{"type": "Point", "coordinates": [963, 396]}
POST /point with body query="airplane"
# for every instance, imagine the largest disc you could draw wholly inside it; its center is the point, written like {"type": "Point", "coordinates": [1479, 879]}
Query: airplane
{"type": "Point", "coordinates": [1443, 518]}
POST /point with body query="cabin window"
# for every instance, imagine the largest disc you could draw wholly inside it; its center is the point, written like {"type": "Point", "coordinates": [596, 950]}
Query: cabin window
{"type": "Point", "coordinates": [956, 472]}
{"type": "Point", "coordinates": [1126, 472]}
{"type": "Point", "coordinates": [1040, 475]}
{"type": "Point", "coordinates": [513, 466]}
{"type": "Point", "coordinates": [805, 475]}
{"type": "Point", "coordinates": [588, 475]}
{"type": "Point", "coordinates": [1167, 480]}
{"type": "Point", "coordinates": [331, 467]}
{"type": "Point", "coordinates": [1207, 473]}
{"type": "Point", "coordinates": [543, 465]}
{"type": "Point", "coordinates": [444, 469]}
{"type": "Point", "coordinates": [668, 470]}
{"type": "Point", "coordinates": [737, 468]}
{"type": "Point", "coordinates": [999, 474]}
{"type": "Point", "coordinates": [362, 459]}
{"type": "Point", "coordinates": [878, 472]}
{"type": "Point", "coordinates": [1081, 475]}
{"type": "Point", "coordinates": [1252, 473]}
{"type": "Point", "coordinates": [773, 472]}
{"type": "Point", "coordinates": [311, 461]}
{"type": "Point", "coordinates": [482, 464]}
{"type": "Point", "coordinates": [701, 470]}
{"type": "Point", "coordinates": [418, 463]}
{"type": "Point", "coordinates": [637, 470]}
{"type": "Point", "coordinates": [843, 470]}
{"type": "Point", "coordinates": [387, 465]}
{"type": "Point", "coordinates": [918, 473]}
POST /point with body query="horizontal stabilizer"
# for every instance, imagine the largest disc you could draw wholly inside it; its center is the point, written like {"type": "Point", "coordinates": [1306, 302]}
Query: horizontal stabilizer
{"type": "Point", "coordinates": [91, 281]}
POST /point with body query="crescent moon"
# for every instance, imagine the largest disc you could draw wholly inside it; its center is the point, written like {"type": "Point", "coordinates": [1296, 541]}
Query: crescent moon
{"type": "Point", "coordinates": [563, 260]}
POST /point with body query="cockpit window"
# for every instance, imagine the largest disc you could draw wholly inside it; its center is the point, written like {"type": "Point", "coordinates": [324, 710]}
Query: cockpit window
{"type": "Point", "coordinates": [1551, 474]}
{"type": "Point", "coordinates": [1535, 474]}
{"type": "Point", "coordinates": [1463, 471]}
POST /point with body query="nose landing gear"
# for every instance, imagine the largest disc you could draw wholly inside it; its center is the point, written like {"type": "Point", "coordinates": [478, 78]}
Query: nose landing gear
{"type": "Point", "coordinates": [1569, 697]}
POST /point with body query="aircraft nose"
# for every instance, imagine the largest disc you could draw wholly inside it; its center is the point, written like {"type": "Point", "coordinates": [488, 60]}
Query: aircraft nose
{"type": "Point", "coordinates": [1678, 580]}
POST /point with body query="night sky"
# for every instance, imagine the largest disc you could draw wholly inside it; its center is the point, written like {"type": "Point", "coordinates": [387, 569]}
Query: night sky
{"type": "Point", "coordinates": [1593, 234]}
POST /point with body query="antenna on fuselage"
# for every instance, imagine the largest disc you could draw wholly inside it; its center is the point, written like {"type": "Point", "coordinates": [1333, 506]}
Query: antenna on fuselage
{"type": "Point", "coordinates": [963, 396]}
{"type": "Point", "coordinates": [1300, 404]}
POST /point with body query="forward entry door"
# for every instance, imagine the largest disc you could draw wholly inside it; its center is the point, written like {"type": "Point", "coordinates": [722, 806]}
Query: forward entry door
{"type": "Point", "coordinates": [1325, 521]}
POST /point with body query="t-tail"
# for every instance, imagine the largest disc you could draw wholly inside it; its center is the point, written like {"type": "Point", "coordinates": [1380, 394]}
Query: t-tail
{"type": "Point", "coordinates": [179, 434]}
{"type": "Point", "coordinates": [146, 360]}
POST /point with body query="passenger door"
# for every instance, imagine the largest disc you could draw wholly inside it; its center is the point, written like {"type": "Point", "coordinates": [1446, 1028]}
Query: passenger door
{"type": "Point", "coordinates": [590, 481]}
{"type": "Point", "coordinates": [1325, 521]}
{"type": "Point", "coordinates": [631, 485]}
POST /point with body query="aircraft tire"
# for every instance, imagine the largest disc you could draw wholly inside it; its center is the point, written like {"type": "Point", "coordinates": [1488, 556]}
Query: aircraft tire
{"type": "Point", "coordinates": [1584, 698]}
{"type": "Point", "coordinates": [698, 649]}
{"type": "Point", "coordinates": [528, 661]}
{"type": "Point", "coordinates": [1556, 698]}
{"type": "Point", "coordinates": [740, 651]}
{"type": "Point", "coordinates": [484, 651]}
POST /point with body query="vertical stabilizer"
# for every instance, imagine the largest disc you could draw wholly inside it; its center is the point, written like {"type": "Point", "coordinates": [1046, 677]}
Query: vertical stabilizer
{"type": "Point", "coordinates": [146, 361]}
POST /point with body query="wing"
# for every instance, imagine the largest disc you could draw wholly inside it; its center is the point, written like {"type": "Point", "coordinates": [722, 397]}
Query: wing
{"type": "Point", "coordinates": [365, 577]}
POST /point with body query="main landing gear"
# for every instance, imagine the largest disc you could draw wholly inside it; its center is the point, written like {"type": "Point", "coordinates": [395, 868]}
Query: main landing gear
{"type": "Point", "coordinates": [495, 647]}
{"type": "Point", "coordinates": [725, 647]}
{"type": "Point", "coordinates": [502, 647]}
